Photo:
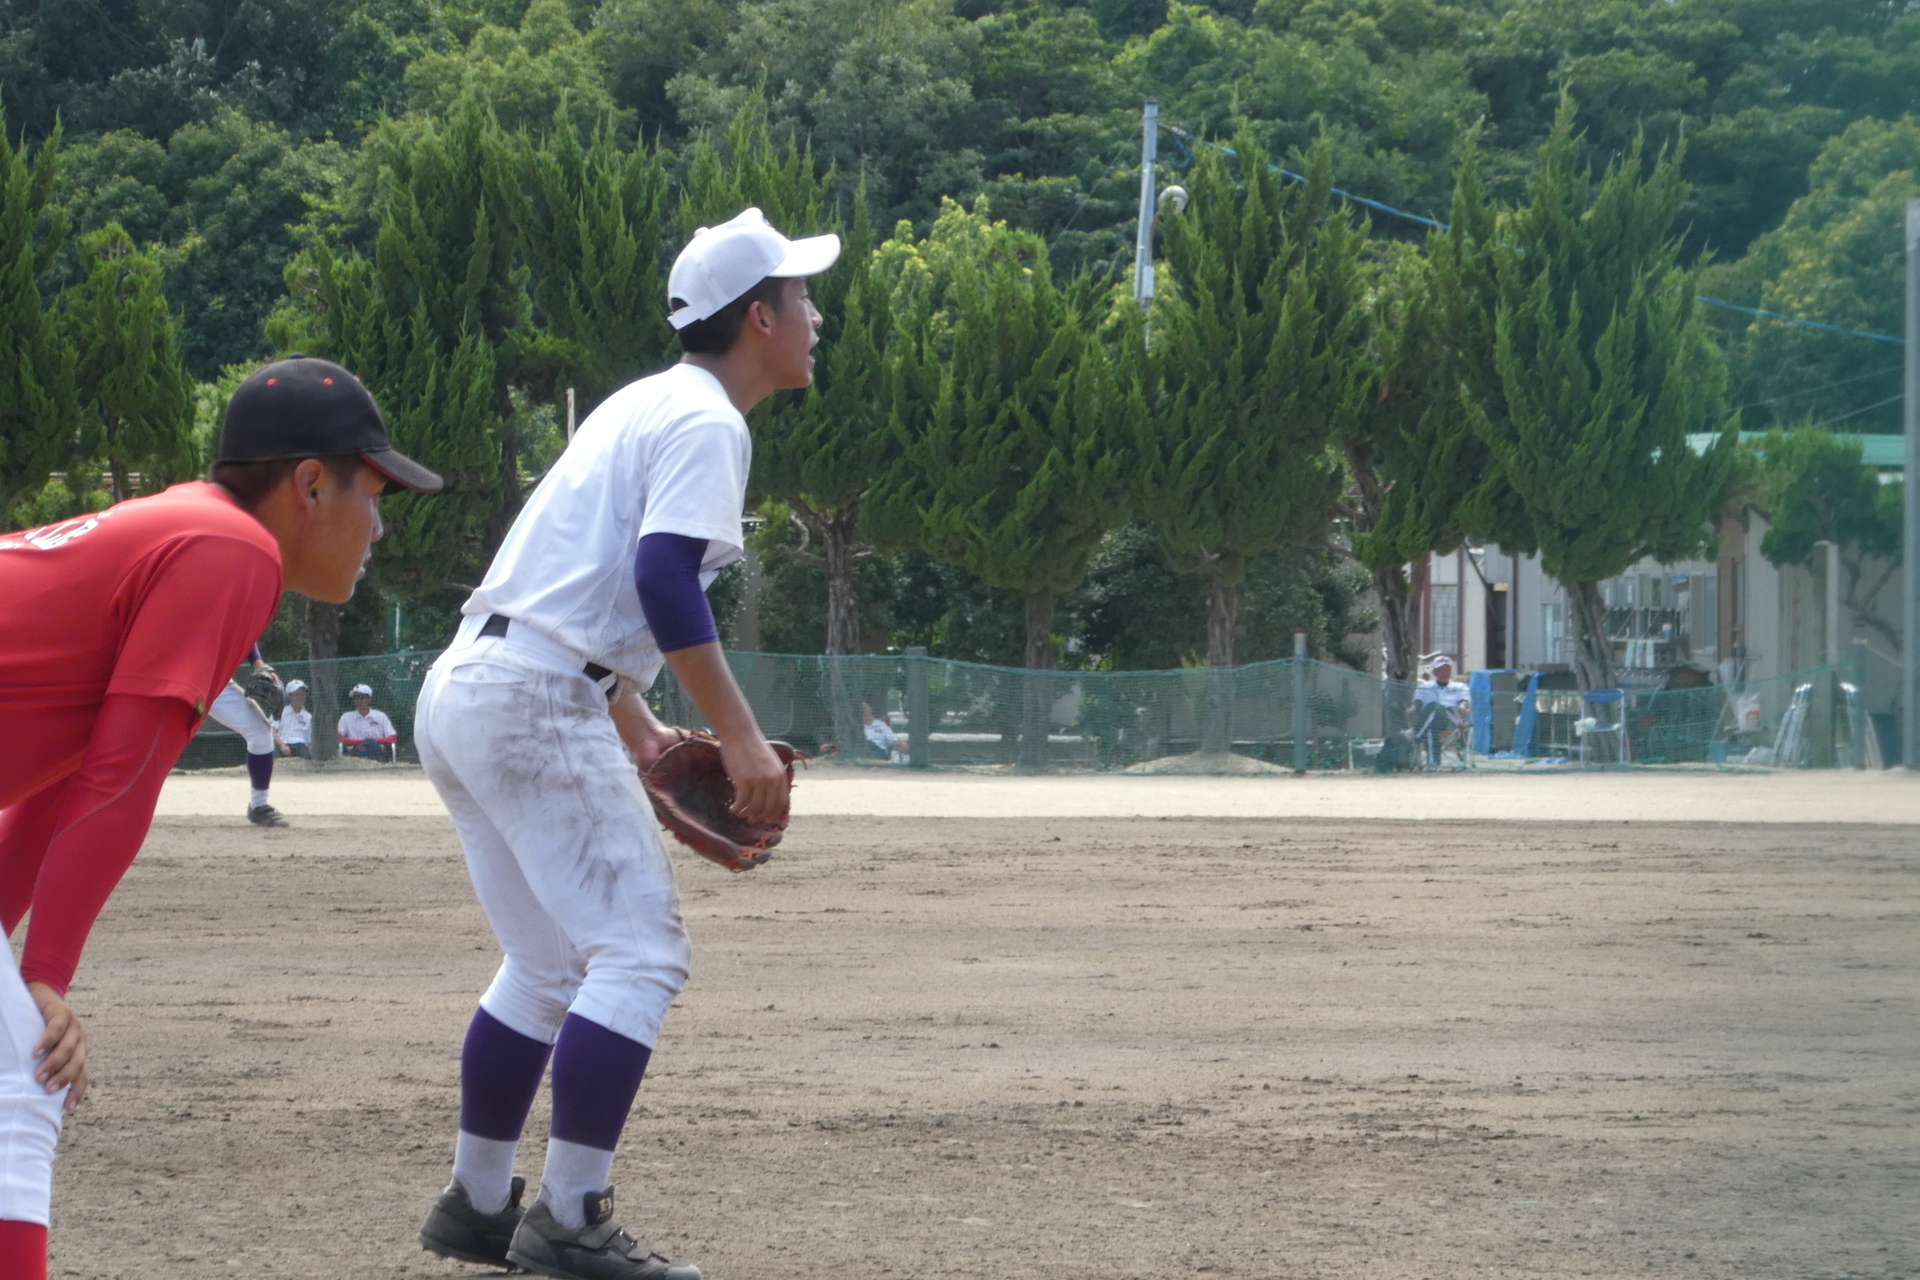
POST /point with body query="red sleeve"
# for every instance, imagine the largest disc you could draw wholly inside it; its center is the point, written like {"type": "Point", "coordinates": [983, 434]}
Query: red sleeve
{"type": "Point", "coordinates": [199, 612]}
{"type": "Point", "coordinates": [103, 820]}
{"type": "Point", "coordinates": [25, 831]}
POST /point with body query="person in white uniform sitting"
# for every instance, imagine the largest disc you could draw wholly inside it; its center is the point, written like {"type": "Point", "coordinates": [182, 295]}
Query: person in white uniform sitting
{"type": "Point", "coordinates": [294, 733]}
{"type": "Point", "coordinates": [1439, 704]}
{"type": "Point", "coordinates": [365, 732]}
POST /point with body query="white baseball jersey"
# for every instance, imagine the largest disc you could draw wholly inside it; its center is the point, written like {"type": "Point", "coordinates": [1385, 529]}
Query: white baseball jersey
{"type": "Point", "coordinates": [374, 725]}
{"type": "Point", "coordinates": [1447, 697]}
{"type": "Point", "coordinates": [296, 726]}
{"type": "Point", "coordinates": [666, 454]}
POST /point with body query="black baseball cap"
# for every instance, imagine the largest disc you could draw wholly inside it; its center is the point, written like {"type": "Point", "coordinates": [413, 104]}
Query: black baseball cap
{"type": "Point", "coordinates": [306, 408]}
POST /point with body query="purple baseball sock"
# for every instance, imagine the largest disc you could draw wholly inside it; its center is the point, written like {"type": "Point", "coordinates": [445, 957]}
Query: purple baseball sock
{"type": "Point", "coordinates": [259, 769]}
{"type": "Point", "coordinates": [500, 1071]}
{"type": "Point", "coordinates": [595, 1076]}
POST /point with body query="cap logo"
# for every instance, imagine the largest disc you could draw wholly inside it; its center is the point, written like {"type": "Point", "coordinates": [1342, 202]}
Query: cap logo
{"type": "Point", "coordinates": [328, 381]}
{"type": "Point", "coordinates": [272, 382]}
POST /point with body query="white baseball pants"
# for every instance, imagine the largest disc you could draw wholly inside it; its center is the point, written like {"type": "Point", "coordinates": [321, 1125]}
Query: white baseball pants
{"type": "Point", "coordinates": [561, 843]}
{"type": "Point", "coordinates": [29, 1115]}
{"type": "Point", "coordinates": [233, 710]}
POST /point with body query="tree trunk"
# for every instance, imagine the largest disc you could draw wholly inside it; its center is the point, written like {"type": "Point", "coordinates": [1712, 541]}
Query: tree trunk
{"type": "Point", "coordinates": [323, 647]}
{"type": "Point", "coordinates": [1037, 700]}
{"type": "Point", "coordinates": [1400, 625]}
{"type": "Point", "coordinates": [837, 531]}
{"type": "Point", "coordinates": [1223, 614]}
{"type": "Point", "coordinates": [511, 497]}
{"type": "Point", "coordinates": [121, 485]}
{"type": "Point", "coordinates": [1592, 651]}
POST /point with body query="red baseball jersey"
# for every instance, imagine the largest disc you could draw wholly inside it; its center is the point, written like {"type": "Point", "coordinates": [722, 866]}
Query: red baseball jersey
{"type": "Point", "coordinates": [159, 597]}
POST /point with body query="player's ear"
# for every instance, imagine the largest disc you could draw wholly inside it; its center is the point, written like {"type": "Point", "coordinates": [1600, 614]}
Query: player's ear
{"type": "Point", "coordinates": [307, 474]}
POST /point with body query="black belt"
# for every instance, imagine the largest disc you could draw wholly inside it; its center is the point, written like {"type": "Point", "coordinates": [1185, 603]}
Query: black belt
{"type": "Point", "coordinates": [496, 626]}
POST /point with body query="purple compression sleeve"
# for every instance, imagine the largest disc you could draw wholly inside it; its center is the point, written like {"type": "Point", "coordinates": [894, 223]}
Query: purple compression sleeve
{"type": "Point", "coordinates": [596, 1074]}
{"type": "Point", "coordinates": [500, 1071]}
{"type": "Point", "coordinates": [666, 570]}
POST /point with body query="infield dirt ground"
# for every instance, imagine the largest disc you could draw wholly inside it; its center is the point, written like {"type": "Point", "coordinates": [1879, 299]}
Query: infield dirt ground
{"type": "Point", "coordinates": [1067, 1048]}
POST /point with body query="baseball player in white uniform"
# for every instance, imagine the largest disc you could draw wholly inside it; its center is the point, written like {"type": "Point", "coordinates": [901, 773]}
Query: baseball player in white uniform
{"type": "Point", "coordinates": [521, 725]}
{"type": "Point", "coordinates": [233, 710]}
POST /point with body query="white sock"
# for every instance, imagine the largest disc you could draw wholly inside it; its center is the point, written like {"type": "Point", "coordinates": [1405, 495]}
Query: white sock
{"type": "Point", "coordinates": [484, 1166]}
{"type": "Point", "coordinates": [573, 1172]}
{"type": "Point", "coordinates": [259, 798]}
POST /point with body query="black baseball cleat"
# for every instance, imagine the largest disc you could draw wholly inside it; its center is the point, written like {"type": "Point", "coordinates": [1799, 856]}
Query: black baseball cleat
{"type": "Point", "coordinates": [265, 815]}
{"type": "Point", "coordinates": [601, 1250]}
{"type": "Point", "coordinates": [455, 1229]}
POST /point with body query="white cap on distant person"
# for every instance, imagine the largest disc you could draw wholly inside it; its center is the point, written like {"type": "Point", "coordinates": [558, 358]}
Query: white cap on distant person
{"type": "Point", "coordinates": [295, 686]}
{"type": "Point", "coordinates": [721, 263]}
{"type": "Point", "coordinates": [359, 689]}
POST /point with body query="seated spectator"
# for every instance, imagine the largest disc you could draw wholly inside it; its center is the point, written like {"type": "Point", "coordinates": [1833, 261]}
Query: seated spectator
{"type": "Point", "coordinates": [365, 732]}
{"type": "Point", "coordinates": [294, 733]}
{"type": "Point", "coordinates": [1439, 704]}
{"type": "Point", "coordinates": [886, 744]}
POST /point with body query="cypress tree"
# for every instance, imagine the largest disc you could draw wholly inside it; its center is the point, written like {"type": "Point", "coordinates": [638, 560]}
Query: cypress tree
{"type": "Point", "coordinates": [1256, 352]}
{"type": "Point", "coordinates": [1412, 457]}
{"type": "Point", "coordinates": [136, 401]}
{"type": "Point", "coordinates": [36, 379]}
{"type": "Point", "coordinates": [1011, 470]}
{"type": "Point", "coordinates": [1599, 367]}
{"type": "Point", "coordinates": [593, 222]}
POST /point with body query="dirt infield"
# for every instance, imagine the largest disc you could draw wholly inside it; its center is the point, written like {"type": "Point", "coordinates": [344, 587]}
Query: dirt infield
{"type": "Point", "coordinates": [1063, 1048]}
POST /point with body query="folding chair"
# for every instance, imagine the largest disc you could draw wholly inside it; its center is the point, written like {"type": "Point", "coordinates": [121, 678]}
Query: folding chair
{"type": "Point", "coordinates": [1600, 698]}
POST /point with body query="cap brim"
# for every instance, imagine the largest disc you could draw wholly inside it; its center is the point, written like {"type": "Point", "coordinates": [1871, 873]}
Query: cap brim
{"type": "Point", "coordinates": [401, 470]}
{"type": "Point", "coordinates": [809, 257]}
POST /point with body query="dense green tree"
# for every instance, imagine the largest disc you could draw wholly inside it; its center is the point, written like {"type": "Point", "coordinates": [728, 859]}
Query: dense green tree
{"type": "Point", "coordinates": [1412, 456]}
{"type": "Point", "coordinates": [1257, 351]}
{"type": "Point", "coordinates": [136, 403]}
{"type": "Point", "coordinates": [438, 324]}
{"type": "Point", "coordinates": [524, 75]}
{"type": "Point", "coordinates": [1814, 489]}
{"type": "Point", "coordinates": [225, 199]}
{"type": "Point", "coordinates": [594, 222]}
{"type": "Point", "coordinates": [1013, 467]}
{"type": "Point", "coordinates": [36, 382]}
{"type": "Point", "coordinates": [877, 87]}
{"type": "Point", "coordinates": [1839, 257]}
{"type": "Point", "coordinates": [1601, 366]}
{"type": "Point", "coordinates": [1014, 422]}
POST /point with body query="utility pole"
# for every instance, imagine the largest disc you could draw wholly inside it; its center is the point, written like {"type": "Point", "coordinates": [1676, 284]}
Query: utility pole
{"type": "Point", "coordinates": [1910, 571]}
{"type": "Point", "coordinates": [1143, 246]}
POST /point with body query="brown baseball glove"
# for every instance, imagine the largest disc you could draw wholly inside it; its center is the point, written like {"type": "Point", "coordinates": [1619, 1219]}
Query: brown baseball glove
{"type": "Point", "coordinates": [693, 798]}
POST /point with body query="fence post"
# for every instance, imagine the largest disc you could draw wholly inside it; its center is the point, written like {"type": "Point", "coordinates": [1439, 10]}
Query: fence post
{"type": "Point", "coordinates": [1300, 702]}
{"type": "Point", "coordinates": [919, 710]}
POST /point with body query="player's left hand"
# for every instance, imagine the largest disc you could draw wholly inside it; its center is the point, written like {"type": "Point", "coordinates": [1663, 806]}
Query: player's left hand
{"type": "Point", "coordinates": [63, 1049]}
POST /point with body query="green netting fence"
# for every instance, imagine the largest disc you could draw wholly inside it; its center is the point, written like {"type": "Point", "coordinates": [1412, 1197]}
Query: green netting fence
{"type": "Point", "coordinates": [1285, 714]}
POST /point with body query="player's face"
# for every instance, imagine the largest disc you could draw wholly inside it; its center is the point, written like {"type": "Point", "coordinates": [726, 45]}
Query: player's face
{"type": "Point", "coordinates": [795, 333]}
{"type": "Point", "coordinates": [336, 538]}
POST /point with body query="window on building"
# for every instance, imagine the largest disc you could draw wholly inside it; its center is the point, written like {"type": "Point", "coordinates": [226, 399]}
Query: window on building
{"type": "Point", "coordinates": [1444, 635]}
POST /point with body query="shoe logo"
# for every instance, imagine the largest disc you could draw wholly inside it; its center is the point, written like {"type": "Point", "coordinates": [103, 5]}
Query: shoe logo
{"type": "Point", "coordinates": [599, 1209]}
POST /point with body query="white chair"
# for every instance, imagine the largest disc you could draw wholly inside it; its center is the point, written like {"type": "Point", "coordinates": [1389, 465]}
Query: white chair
{"type": "Point", "coordinates": [1589, 725]}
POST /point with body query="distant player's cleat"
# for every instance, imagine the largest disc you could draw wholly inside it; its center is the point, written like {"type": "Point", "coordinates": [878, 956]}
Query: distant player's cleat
{"type": "Point", "coordinates": [601, 1250]}
{"type": "Point", "coordinates": [265, 815]}
{"type": "Point", "coordinates": [455, 1229]}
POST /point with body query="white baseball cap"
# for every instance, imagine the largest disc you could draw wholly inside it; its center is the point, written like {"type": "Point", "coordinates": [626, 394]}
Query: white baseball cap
{"type": "Point", "coordinates": [721, 263]}
{"type": "Point", "coordinates": [295, 686]}
{"type": "Point", "coordinates": [359, 689]}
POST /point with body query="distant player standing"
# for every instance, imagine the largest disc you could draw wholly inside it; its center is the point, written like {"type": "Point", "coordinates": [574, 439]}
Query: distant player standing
{"type": "Point", "coordinates": [233, 710]}
{"type": "Point", "coordinates": [520, 727]}
{"type": "Point", "coordinates": [116, 632]}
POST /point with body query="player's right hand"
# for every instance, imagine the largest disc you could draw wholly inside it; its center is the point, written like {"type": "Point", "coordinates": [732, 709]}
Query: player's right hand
{"type": "Point", "coordinates": [759, 779]}
{"type": "Point", "coordinates": [63, 1049]}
